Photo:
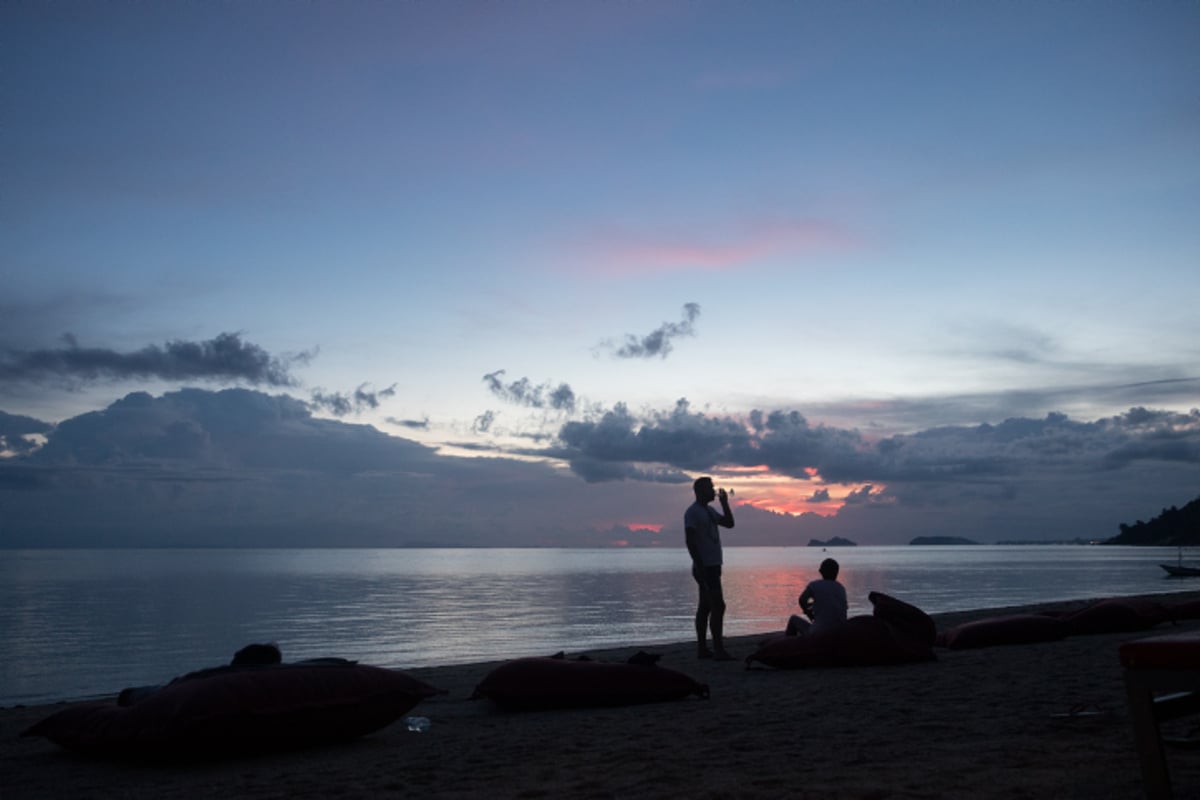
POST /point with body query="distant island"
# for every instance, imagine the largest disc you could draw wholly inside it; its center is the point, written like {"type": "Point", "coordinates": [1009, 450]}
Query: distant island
{"type": "Point", "coordinates": [836, 541]}
{"type": "Point", "coordinates": [1025, 542]}
{"type": "Point", "coordinates": [922, 540]}
{"type": "Point", "coordinates": [1173, 527]}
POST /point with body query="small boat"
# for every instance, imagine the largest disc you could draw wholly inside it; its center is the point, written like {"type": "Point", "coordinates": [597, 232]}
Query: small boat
{"type": "Point", "coordinates": [1181, 570]}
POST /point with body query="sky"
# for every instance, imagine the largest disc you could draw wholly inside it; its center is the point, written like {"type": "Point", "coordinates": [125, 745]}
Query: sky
{"type": "Point", "coordinates": [516, 273]}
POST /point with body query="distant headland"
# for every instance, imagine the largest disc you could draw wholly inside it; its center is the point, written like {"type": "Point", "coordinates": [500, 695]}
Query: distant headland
{"type": "Point", "coordinates": [923, 540]}
{"type": "Point", "coordinates": [836, 541]}
{"type": "Point", "coordinates": [1173, 527]}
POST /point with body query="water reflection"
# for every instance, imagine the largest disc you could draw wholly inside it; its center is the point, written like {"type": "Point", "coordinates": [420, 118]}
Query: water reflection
{"type": "Point", "coordinates": [83, 623]}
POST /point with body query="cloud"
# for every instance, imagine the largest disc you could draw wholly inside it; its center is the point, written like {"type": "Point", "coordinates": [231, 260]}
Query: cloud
{"type": "Point", "coordinates": [238, 467]}
{"type": "Point", "coordinates": [341, 404]}
{"type": "Point", "coordinates": [686, 440]}
{"type": "Point", "coordinates": [860, 495]}
{"type": "Point", "coordinates": [747, 242]}
{"type": "Point", "coordinates": [15, 432]}
{"type": "Point", "coordinates": [787, 444]}
{"type": "Point", "coordinates": [523, 392]}
{"type": "Point", "coordinates": [223, 358]}
{"type": "Point", "coordinates": [657, 343]}
{"type": "Point", "coordinates": [1090, 400]}
{"type": "Point", "coordinates": [414, 424]}
{"type": "Point", "coordinates": [1003, 341]}
{"type": "Point", "coordinates": [483, 423]}
{"type": "Point", "coordinates": [1049, 477]}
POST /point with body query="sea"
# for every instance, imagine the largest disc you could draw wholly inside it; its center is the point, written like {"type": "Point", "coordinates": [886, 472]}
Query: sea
{"type": "Point", "coordinates": [77, 624]}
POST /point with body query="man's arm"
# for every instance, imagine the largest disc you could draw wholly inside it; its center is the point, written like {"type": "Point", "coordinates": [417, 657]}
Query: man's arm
{"type": "Point", "coordinates": [690, 538]}
{"type": "Point", "coordinates": [726, 518]}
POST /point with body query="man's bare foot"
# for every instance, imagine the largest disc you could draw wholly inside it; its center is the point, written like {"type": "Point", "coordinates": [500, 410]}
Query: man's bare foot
{"type": "Point", "coordinates": [724, 655]}
{"type": "Point", "coordinates": [704, 652]}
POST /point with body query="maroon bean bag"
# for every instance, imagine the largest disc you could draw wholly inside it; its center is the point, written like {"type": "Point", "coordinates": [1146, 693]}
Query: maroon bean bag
{"type": "Point", "coordinates": [1008, 629]}
{"type": "Point", "coordinates": [862, 641]}
{"type": "Point", "coordinates": [909, 620]}
{"type": "Point", "coordinates": [1117, 615]}
{"type": "Point", "coordinates": [1186, 610]}
{"type": "Point", "coordinates": [543, 683]}
{"type": "Point", "coordinates": [240, 710]}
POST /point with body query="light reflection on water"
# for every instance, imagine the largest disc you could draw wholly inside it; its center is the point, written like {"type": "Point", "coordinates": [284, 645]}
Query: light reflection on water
{"type": "Point", "coordinates": [84, 623]}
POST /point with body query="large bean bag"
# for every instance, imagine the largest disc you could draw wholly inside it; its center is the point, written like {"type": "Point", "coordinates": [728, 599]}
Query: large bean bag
{"type": "Point", "coordinates": [1008, 629]}
{"type": "Point", "coordinates": [1117, 615]}
{"type": "Point", "coordinates": [239, 710]}
{"type": "Point", "coordinates": [1189, 609]}
{"type": "Point", "coordinates": [862, 641]}
{"type": "Point", "coordinates": [909, 620]}
{"type": "Point", "coordinates": [543, 683]}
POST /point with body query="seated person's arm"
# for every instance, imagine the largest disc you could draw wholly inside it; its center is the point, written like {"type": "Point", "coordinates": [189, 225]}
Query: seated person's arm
{"type": "Point", "coordinates": [806, 602]}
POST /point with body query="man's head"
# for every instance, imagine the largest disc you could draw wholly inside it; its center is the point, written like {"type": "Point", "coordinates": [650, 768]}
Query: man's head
{"type": "Point", "coordinates": [829, 569]}
{"type": "Point", "coordinates": [703, 487]}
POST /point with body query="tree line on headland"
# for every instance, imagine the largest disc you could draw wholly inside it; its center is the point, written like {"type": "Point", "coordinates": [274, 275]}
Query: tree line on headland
{"type": "Point", "coordinates": [1173, 527]}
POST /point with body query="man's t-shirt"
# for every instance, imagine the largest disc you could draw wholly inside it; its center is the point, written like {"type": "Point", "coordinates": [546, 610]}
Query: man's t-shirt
{"type": "Point", "coordinates": [829, 603]}
{"type": "Point", "coordinates": [707, 539]}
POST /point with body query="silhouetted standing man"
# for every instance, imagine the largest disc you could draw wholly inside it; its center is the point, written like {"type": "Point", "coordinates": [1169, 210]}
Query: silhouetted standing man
{"type": "Point", "coordinates": [702, 526]}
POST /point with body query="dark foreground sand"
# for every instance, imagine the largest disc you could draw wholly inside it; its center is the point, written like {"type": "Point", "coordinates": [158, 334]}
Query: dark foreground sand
{"type": "Point", "coordinates": [975, 724]}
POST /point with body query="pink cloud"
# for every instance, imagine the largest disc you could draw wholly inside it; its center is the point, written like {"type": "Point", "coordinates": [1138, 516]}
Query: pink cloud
{"type": "Point", "coordinates": [624, 254]}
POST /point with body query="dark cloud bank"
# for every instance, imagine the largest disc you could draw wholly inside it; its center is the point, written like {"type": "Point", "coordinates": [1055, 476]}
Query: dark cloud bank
{"type": "Point", "coordinates": [226, 357]}
{"type": "Point", "coordinates": [241, 467]}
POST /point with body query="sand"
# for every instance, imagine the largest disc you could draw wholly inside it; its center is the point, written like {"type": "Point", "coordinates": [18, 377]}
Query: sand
{"type": "Point", "coordinates": [984, 723]}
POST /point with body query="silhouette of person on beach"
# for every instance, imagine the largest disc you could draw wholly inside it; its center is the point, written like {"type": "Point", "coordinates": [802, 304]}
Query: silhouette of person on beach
{"type": "Point", "coordinates": [822, 601]}
{"type": "Point", "coordinates": [701, 526]}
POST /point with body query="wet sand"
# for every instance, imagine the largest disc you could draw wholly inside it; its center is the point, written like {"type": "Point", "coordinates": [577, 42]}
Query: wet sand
{"type": "Point", "coordinates": [986, 723]}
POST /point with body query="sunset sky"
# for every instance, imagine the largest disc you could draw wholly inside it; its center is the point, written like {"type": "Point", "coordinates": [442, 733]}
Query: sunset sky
{"type": "Point", "coordinates": [493, 273]}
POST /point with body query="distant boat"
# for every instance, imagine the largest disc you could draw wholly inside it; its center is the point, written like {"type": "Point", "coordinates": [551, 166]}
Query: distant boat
{"type": "Point", "coordinates": [1181, 570]}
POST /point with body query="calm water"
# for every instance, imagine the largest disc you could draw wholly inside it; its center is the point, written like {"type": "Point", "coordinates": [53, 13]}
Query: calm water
{"type": "Point", "coordinates": [82, 623]}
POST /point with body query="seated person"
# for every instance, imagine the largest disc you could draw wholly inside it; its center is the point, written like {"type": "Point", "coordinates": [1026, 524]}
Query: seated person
{"type": "Point", "coordinates": [822, 601]}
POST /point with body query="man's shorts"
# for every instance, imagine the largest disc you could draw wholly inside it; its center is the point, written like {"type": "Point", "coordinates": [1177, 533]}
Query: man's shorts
{"type": "Point", "coordinates": [709, 579]}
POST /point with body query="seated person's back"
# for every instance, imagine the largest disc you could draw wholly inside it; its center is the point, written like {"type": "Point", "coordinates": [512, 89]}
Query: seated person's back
{"type": "Point", "coordinates": [823, 601]}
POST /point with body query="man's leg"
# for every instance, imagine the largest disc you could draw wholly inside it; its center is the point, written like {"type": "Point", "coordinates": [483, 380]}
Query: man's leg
{"type": "Point", "coordinates": [716, 617]}
{"type": "Point", "coordinates": [703, 609]}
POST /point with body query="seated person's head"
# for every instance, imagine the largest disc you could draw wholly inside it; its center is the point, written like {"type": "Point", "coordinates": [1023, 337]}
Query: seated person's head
{"type": "Point", "coordinates": [829, 569]}
{"type": "Point", "coordinates": [703, 487]}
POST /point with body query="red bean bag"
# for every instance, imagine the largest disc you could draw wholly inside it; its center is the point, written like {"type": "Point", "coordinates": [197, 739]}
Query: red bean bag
{"type": "Point", "coordinates": [795, 652]}
{"type": "Point", "coordinates": [1008, 629]}
{"type": "Point", "coordinates": [542, 683]}
{"type": "Point", "coordinates": [1117, 615]}
{"type": "Point", "coordinates": [862, 641]}
{"type": "Point", "coordinates": [905, 618]}
{"type": "Point", "coordinates": [233, 711]}
{"type": "Point", "coordinates": [1186, 610]}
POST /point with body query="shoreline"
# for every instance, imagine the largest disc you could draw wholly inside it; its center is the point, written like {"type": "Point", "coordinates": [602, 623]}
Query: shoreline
{"type": "Point", "coordinates": [943, 618]}
{"type": "Point", "coordinates": [992, 722]}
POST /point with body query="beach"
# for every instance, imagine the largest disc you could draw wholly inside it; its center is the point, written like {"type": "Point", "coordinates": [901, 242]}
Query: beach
{"type": "Point", "coordinates": [982, 723]}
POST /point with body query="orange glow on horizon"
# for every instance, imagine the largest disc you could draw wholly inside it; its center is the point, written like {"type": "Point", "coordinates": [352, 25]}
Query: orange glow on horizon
{"type": "Point", "coordinates": [756, 486]}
